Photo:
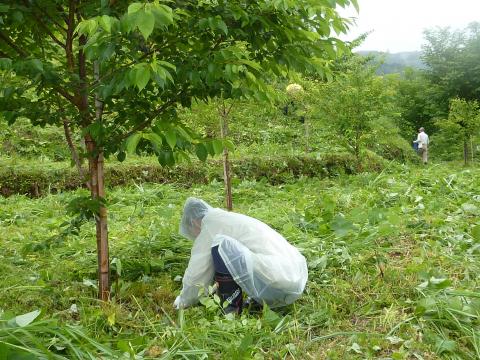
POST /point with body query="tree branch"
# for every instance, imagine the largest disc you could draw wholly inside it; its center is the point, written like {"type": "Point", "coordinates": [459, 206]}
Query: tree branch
{"type": "Point", "coordinates": [66, 95]}
{"type": "Point", "coordinates": [112, 72]}
{"type": "Point", "coordinates": [10, 43]}
{"type": "Point", "coordinates": [73, 150]}
{"type": "Point", "coordinates": [48, 16]}
{"type": "Point", "coordinates": [147, 122]}
{"type": "Point", "coordinates": [43, 25]}
{"type": "Point", "coordinates": [69, 41]}
{"type": "Point", "coordinates": [49, 33]}
{"type": "Point", "coordinates": [82, 94]}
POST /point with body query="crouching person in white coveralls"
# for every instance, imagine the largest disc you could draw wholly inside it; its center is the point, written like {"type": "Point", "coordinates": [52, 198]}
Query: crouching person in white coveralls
{"type": "Point", "coordinates": [241, 254]}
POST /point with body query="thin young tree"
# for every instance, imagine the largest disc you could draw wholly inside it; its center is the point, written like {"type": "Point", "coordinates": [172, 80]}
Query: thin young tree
{"type": "Point", "coordinates": [464, 119]}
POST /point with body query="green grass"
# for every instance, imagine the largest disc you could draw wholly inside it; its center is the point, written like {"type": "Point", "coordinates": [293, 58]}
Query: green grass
{"type": "Point", "coordinates": [393, 271]}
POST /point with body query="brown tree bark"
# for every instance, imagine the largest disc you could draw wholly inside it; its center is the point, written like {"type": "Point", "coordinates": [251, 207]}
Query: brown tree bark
{"type": "Point", "coordinates": [227, 179]}
{"type": "Point", "coordinates": [97, 175]}
{"type": "Point", "coordinates": [102, 226]}
{"type": "Point", "coordinates": [98, 193]}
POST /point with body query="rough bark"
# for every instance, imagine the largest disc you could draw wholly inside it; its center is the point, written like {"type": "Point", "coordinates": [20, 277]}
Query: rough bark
{"type": "Point", "coordinates": [69, 39]}
{"type": "Point", "coordinates": [227, 177]}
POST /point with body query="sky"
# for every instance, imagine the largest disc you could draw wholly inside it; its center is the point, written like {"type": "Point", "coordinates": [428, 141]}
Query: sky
{"type": "Point", "coordinates": [398, 25]}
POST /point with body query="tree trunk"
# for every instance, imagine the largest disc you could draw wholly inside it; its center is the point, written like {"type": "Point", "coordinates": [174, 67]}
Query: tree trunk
{"type": "Point", "coordinates": [307, 135]}
{"type": "Point", "coordinates": [465, 151]}
{"type": "Point", "coordinates": [102, 236]}
{"type": "Point", "coordinates": [95, 164]}
{"type": "Point", "coordinates": [95, 160]}
{"type": "Point", "coordinates": [357, 146]}
{"type": "Point", "coordinates": [226, 162]}
{"type": "Point", "coordinates": [472, 149]}
{"type": "Point", "coordinates": [102, 228]}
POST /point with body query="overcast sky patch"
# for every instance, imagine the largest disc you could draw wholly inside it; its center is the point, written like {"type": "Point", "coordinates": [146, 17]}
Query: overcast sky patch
{"type": "Point", "coordinates": [398, 25]}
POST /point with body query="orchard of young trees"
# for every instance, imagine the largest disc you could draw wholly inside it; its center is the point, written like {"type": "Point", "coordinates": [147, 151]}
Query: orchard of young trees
{"type": "Point", "coordinates": [114, 70]}
{"type": "Point", "coordinates": [135, 106]}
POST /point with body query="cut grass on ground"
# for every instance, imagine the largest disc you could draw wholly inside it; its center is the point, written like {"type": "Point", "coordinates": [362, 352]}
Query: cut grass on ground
{"type": "Point", "coordinates": [393, 270]}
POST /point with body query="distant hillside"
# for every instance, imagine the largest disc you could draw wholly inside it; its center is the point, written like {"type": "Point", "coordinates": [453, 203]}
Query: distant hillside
{"type": "Point", "coordinates": [395, 63]}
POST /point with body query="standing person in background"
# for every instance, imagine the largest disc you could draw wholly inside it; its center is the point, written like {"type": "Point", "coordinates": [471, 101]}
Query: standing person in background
{"type": "Point", "coordinates": [423, 141]}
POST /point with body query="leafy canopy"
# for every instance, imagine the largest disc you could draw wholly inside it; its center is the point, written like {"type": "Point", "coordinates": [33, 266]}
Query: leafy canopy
{"type": "Point", "coordinates": [153, 57]}
{"type": "Point", "coordinates": [453, 62]}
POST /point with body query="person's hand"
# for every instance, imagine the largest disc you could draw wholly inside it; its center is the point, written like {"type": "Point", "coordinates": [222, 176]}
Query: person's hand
{"type": "Point", "coordinates": [178, 304]}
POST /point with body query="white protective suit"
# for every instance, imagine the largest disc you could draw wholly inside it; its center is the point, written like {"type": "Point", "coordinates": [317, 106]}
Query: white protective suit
{"type": "Point", "coordinates": [259, 259]}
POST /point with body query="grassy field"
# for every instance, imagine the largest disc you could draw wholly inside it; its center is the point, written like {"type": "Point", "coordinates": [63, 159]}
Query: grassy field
{"type": "Point", "coordinates": [393, 272]}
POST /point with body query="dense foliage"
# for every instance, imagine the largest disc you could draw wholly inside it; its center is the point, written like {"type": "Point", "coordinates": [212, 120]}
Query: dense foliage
{"type": "Point", "coordinates": [117, 72]}
{"type": "Point", "coordinates": [392, 246]}
{"type": "Point", "coordinates": [393, 262]}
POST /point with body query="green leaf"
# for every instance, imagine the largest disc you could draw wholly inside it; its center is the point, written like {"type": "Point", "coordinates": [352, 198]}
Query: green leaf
{"type": "Point", "coordinates": [208, 145]}
{"type": "Point", "coordinates": [87, 27]}
{"type": "Point", "coordinates": [142, 76]}
{"type": "Point", "coordinates": [37, 65]}
{"type": "Point", "coordinates": [118, 266]}
{"type": "Point", "coordinates": [229, 144]}
{"type": "Point", "coordinates": [163, 15]}
{"type": "Point", "coordinates": [251, 63]}
{"type": "Point", "coordinates": [171, 138]}
{"type": "Point", "coordinates": [270, 317]}
{"type": "Point", "coordinates": [17, 16]}
{"type": "Point", "coordinates": [201, 152]}
{"type": "Point", "coordinates": [245, 345]}
{"type": "Point", "coordinates": [166, 158]}
{"type": "Point", "coordinates": [217, 146]}
{"type": "Point", "coordinates": [355, 5]}
{"type": "Point", "coordinates": [146, 23]}
{"type": "Point", "coordinates": [222, 26]}
{"type": "Point", "coordinates": [319, 263]}
{"type": "Point", "coordinates": [26, 319]}
{"type": "Point", "coordinates": [155, 140]}
{"type": "Point", "coordinates": [125, 347]}
{"type": "Point", "coordinates": [134, 7]}
{"type": "Point", "coordinates": [132, 142]}
{"type": "Point", "coordinates": [167, 64]}
{"type": "Point", "coordinates": [106, 23]}
{"type": "Point", "coordinates": [94, 129]}
{"type": "Point", "coordinates": [426, 306]}
{"type": "Point", "coordinates": [5, 64]}
{"type": "Point", "coordinates": [341, 226]}
{"type": "Point", "coordinates": [439, 283]}
{"type": "Point", "coordinates": [90, 283]}
{"type": "Point", "coordinates": [476, 233]}
{"type": "Point", "coordinates": [445, 346]}
{"type": "Point", "coordinates": [121, 156]}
